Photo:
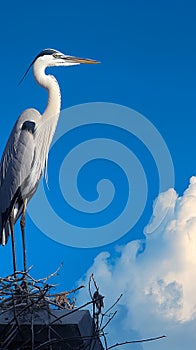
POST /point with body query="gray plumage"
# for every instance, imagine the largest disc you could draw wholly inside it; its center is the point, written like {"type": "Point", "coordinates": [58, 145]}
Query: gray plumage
{"type": "Point", "coordinates": [21, 167]}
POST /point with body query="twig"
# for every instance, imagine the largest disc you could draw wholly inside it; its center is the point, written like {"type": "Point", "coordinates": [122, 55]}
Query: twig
{"type": "Point", "coordinates": [95, 284]}
{"type": "Point", "coordinates": [89, 287]}
{"type": "Point", "coordinates": [66, 292]}
{"type": "Point", "coordinates": [110, 319]}
{"type": "Point", "coordinates": [110, 308]}
{"type": "Point", "coordinates": [32, 332]}
{"type": "Point", "coordinates": [105, 341]}
{"type": "Point", "coordinates": [136, 341]}
{"type": "Point", "coordinates": [10, 336]}
{"type": "Point", "coordinates": [53, 274]}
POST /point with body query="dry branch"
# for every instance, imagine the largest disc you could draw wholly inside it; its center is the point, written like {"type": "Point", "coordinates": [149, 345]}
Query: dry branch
{"type": "Point", "coordinates": [136, 341]}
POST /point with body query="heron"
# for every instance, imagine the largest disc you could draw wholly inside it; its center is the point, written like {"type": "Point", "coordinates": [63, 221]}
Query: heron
{"type": "Point", "coordinates": [26, 152]}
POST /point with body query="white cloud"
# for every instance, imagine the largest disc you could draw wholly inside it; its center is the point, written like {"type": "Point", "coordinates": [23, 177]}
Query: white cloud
{"type": "Point", "coordinates": [158, 285]}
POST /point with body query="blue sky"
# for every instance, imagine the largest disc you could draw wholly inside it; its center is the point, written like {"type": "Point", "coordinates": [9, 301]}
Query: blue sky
{"type": "Point", "coordinates": [147, 51]}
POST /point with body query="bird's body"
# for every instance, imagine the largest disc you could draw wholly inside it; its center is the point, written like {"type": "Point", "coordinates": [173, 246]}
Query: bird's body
{"type": "Point", "coordinates": [25, 155]}
{"type": "Point", "coordinates": [25, 150]}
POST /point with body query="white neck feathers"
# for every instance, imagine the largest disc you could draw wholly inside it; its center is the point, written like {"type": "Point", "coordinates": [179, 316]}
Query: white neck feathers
{"type": "Point", "coordinates": [51, 85]}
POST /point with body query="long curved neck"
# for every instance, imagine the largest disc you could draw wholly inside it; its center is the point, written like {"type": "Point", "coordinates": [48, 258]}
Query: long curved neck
{"type": "Point", "coordinates": [51, 85]}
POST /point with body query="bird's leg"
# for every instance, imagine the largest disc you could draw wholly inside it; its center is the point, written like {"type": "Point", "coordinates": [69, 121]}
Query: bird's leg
{"type": "Point", "coordinates": [22, 225]}
{"type": "Point", "coordinates": [11, 222]}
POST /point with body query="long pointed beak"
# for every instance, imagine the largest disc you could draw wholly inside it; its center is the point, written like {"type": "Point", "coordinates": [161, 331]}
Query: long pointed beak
{"type": "Point", "coordinates": [82, 60]}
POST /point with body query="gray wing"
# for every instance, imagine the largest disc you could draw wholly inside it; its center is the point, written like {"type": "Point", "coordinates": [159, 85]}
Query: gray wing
{"type": "Point", "coordinates": [16, 163]}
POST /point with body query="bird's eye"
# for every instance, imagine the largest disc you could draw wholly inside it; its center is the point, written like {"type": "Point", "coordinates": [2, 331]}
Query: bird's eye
{"type": "Point", "coordinates": [55, 55]}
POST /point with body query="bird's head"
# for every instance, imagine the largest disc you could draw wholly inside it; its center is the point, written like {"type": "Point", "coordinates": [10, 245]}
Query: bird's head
{"type": "Point", "coordinates": [54, 58]}
{"type": "Point", "coordinates": [51, 57]}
